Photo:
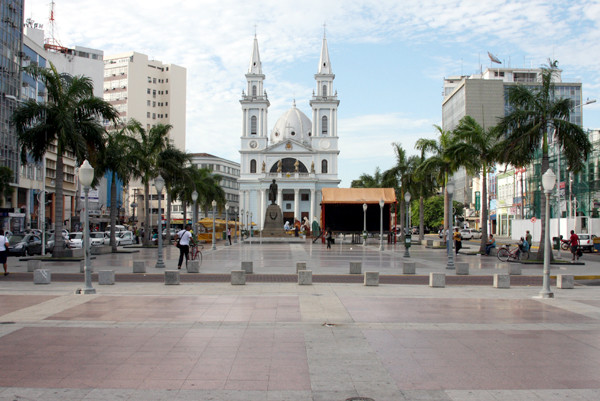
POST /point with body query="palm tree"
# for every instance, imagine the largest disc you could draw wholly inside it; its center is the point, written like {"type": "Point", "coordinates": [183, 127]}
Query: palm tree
{"type": "Point", "coordinates": [71, 119]}
{"type": "Point", "coordinates": [119, 159]}
{"type": "Point", "coordinates": [439, 162]}
{"type": "Point", "coordinates": [171, 165]}
{"type": "Point", "coordinates": [425, 184]}
{"type": "Point", "coordinates": [6, 178]}
{"type": "Point", "coordinates": [536, 112]}
{"type": "Point", "coordinates": [476, 149]}
{"type": "Point", "coordinates": [151, 144]}
{"type": "Point", "coordinates": [369, 181]}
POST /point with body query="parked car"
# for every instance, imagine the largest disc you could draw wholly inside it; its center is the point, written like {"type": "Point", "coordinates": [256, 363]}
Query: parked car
{"type": "Point", "coordinates": [586, 242]}
{"type": "Point", "coordinates": [26, 244]}
{"type": "Point", "coordinates": [50, 242]}
{"type": "Point", "coordinates": [470, 233]}
{"type": "Point", "coordinates": [97, 238]}
{"type": "Point", "coordinates": [172, 233]}
{"type": "Point", "coordinates": [122, 238]}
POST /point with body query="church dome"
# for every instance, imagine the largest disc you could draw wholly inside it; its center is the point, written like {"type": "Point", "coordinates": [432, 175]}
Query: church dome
{"type": "Point", "coordinates": [293, 124]}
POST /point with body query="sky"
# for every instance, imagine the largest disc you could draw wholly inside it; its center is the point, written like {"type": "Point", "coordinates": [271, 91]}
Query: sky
{"type": "Point", "coordinates": [389, 58]}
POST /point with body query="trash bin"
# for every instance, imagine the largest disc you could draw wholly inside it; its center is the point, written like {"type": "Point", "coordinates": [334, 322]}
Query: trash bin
{"type": "Point", "coordinates": [555, 243]}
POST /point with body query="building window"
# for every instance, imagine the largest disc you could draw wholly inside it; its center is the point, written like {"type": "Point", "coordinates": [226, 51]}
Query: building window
{"type": "Point", "coordinates": [253, 125]}
{"type": "Point", "coordinates": [148, 91]}
{"type": "Point", "coordinates": [304, 197]}
{"type": "Point", "coordinates": [324, 90]}
{"type": "Point", "coordinates": [252, 166]}
{"type": "Point", "coordinates": [324, 167]}
{"type": "Point", "coordinates": [324, 126]}
{"type": "Point", "coordinates": [254, 90]}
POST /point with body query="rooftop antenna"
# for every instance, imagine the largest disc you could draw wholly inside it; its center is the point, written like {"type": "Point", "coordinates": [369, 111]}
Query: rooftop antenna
{"type": "Point", "coordinates": [52, 42]}
{"type": "Point", "coordinates": [324, 30]}
{"type": "Point", "coordinates": [254, 30]}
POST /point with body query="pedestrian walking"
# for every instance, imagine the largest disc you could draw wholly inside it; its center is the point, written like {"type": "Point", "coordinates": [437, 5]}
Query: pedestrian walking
{"type": "Point", "coordinates": [229, 235]}
{"type": "Point", "coordinates": [328, 237]}
{"type": "Point", "coordinates": [183, 243]}
{"type": "Point", "coordinates": [528, 237]}
{"type": "Point", "coordinates": [457, 240]}
{"type": "Point", "coordinates": [3, 251]}
{"type": "Point", "coordinates": [574, 246]}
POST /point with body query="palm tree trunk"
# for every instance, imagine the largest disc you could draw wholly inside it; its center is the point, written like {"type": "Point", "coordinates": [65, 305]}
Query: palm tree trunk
{"type": "Point", "coordinates": [421, 218]}
{"type": "Point", "coordinates": [184, 205]}
{"type": "Point", "coordinates": [446, 199]}
{"type": "Point", "coordinates": [58, 210]}
{"type": "Point", "coordinates": [543, 211]}
{"type": "Point", "coordinates": [484, 211]}
{"type": "Point", "coordinates": [168, 225]}
{"type": "Point", "coordinates": [113, 212]}
{"type": "Point", "coordinates": [147, 224]}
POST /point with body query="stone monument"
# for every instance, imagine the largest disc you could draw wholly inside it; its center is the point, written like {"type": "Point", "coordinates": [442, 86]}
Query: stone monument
{"type": "Point", "coordinates": [274, 218]}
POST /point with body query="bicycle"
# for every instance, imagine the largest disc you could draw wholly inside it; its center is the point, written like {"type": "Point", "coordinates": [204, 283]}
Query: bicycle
{"type": "Point", "coordinates": [505, 254]}
{"type": "Point", "coordinates": [196, 252]}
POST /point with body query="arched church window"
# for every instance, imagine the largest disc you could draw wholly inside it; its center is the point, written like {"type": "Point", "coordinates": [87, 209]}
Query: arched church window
{"type": "Point", "coordinates": [253, 125]}
{"type": "Point", "coordinates": [252, 166]}
{"type": "Point", "coordinates": [324, 167]}
{"type": "Point", "coordinates": [324, 90]}
{"type": "Point", "coordinates": [324, 126]}
{"type": "Point", "coordinates": [254, 90]}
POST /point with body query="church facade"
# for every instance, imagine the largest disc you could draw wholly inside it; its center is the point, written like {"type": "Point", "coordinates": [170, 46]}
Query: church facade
{"type": "Point", "coordinates": [300, 154]}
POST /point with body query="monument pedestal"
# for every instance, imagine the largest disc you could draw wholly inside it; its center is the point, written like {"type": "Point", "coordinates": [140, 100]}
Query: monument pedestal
{"type": "Point", "coordinates": [273, 222]}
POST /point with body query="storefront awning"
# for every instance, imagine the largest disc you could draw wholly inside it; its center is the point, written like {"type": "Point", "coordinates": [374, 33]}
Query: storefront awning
{"type": "Point", "coordinates": [358, 195]}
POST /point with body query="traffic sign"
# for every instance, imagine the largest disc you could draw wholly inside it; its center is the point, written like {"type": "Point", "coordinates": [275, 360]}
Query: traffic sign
{"type": "Point", "coordinates": [533, 219]}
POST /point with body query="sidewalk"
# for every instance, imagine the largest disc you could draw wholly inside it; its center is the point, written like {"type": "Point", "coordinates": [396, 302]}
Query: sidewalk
{"type": "Point", "coordinates": [143, 340]}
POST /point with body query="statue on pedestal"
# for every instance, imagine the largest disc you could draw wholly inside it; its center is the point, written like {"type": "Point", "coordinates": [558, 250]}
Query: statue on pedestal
{"type": "Point", "coordinates": [273, 192]}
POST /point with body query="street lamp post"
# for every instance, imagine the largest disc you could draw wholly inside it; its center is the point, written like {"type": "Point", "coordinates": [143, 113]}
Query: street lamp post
{"type": "Point", "coordinates": [226, 223]}
{"type": "Point", "coordinates": [235, 229]}
{"type": "Point", "coordinates": [246, 225]}
{"type": "Point", "coordinates": [194, 215]}
{"type": "Point", "coordinates": [251, 226]}
{"type": "Point", "coordinates": [133, 206]}
{"type": "Point", "coordinates": [407, 235]}
{"type": "Point", "coordinates": [548, 182]}
{"type": "Point", "coordinates": [214, 205]}
{"type": "Point", "coordinates": [159, 184]}
{"type": "Point", "coordinates": [364, 224]}
{"type": "Point", "coordinates": [381, 204]}
{"type": "Point", "coordinates": [450, 189]}
{"type": "Point", "coordinates": [86, 176]}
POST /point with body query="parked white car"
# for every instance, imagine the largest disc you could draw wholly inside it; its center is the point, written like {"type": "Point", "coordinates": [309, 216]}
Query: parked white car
{"type": "Point", "coordinates": [76, 239]}
{"type": "Point", "coordinates": [470, 233]}
{"type": "Point", "coordinates": [122, 238]}
{"type": "Point", "coordinates": [97, 238]}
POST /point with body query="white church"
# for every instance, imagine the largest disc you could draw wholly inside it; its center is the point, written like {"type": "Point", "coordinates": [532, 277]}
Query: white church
{"type": "Point", "coordinates": [302, 156]}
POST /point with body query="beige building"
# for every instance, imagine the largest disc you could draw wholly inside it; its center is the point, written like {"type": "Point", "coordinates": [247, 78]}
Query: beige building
{"type": "Point", "coordinates": [147, 90]}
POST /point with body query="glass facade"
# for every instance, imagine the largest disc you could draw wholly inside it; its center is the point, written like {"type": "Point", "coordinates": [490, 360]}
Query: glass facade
{"type": "Point", "coordinates": [11, 41]}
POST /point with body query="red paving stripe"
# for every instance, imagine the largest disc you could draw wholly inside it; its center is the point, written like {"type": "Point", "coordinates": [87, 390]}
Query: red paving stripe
{"type": "Point", "coordinates": [287, 278]}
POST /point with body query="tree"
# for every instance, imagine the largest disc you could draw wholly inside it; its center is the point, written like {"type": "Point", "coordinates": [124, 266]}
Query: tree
{"type": "Point", "coordinates": [6, 178]}
{"type": "Point", "coordinates": [536, 112]}
{"type": "Point", "coordinates": [439, 163]}
{"type": "Point", "coordinates": [433, 211]}
{"type": "Point", "coordinates": [119, 160]}
{"type": "Point", "coordinates": [151, 144]}
{"type": "Point", "coordinates": [369, 181]}
{"type": "Point", "coordinates": [425, 186]}
{"type": "Point", "coordinates": [476, 149]}
{"type": "Point", "coordinates": [71, 119]}
{"type": "Point", "coordinates": [171, 165]}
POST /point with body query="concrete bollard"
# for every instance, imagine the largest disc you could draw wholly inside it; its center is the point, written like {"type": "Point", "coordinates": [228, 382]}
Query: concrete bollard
{"type": "Point", "coordinates": [106, 277]}
{"type": "Point", "coordinates": [462, 269]}
{"type": "Point", "coordinates": [193, 266]}
{"type": "Point", "coordinates": [371, 278]}
{"type": "Point", "coordinates": [503, 266]}
{"type": "Point", "coordinates": [139, 266]}
{"type": "Point", "coordinates": [300, 266]}
{"type": "Point", "coordinates": [565, 281]}
{"type": "Point", "coordinates": [238, 277]}
{"type": "Point", "coordinates": [304, 277]}
{"type": "Point", "coordinates": [501, 281]}
{"type": "Point", "coordinates": [33, 265]}
{"type": "Point", "coordinates": [429, 243]}
{"type": "Point", "coordinates": [355, 267]}
{"type": "Point", "coordinates": [42, 276]}
{"type": "Point", "coordinates": [82, 266]}
{"type": "Point", "coordinates": [172, 277]}
{"type": "Point", "coordinates": [248, 267]}
{"type": "Point", "coordinates": [439, 244]}
{"type": "Point", "coordinates": [437, 280]}
{"type": "Point", "coordinates": [514, 269]}
{"type": "Point", "coordinates": [409, 267]}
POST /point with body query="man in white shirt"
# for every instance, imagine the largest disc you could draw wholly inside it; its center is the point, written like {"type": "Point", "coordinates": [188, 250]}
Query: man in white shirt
{"type": "Point", "coordinates": [3, 251]}
{"type": "Point", "coordinates": [184, 237]}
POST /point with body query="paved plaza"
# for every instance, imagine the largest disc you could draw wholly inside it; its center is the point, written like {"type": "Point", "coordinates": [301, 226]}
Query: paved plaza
{"type": "Point", "coordinates": [274, 340]}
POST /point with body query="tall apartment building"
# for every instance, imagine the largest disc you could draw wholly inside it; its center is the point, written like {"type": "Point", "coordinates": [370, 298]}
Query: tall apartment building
{"type": "Point", "coordinates": [484, 97]}
{"type": "Point", "coordinates": [11, 39]}
{"type": "Point", "coordinates": [74, 61]}
{"type": "Point", "coordinates": [147, 90]}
